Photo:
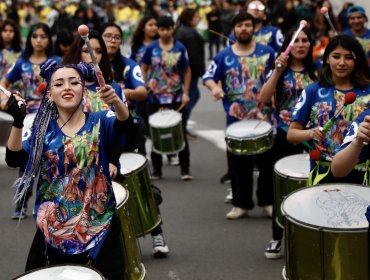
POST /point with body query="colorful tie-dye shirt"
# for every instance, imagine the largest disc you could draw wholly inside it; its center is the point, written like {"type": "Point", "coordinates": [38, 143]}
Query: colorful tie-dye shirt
{"type": "Point", "coordinates": [241, 78]}
{"type": "Point", "coordinates": [74, 197]}
{"type": "Point", "coordinates": [364, 41]}
{"type": "Point", "coordinates": [29, 73]}
{"type": "Point", "coordinates": [317, 105]}
{"type": "Point", "coordinates": [166, 72]}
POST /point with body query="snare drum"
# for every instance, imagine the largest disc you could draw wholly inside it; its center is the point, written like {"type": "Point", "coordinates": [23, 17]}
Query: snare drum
{"type": "Point", "coordinates": [249, 137]}
{"type": "Point", "coordinates": [290, 174]}
{"type": "Point", "coordinates": [6, 122]}
{"type": "Point", "coordinates": [141, 204]}
{"type": "Point", "coordinates": [28, 122]}
{"type": "Point", "coordinates": [326, 232]}
{"type": "Point", "coordinates": [59, 272]}
{"type": "Point", "coordinates": [166, 132]}
{"type": "Point", "coordinates": [135, 269]}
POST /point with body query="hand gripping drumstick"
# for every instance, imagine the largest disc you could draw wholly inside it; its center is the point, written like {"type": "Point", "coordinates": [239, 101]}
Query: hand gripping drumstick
{"type": "Point", "coordinates": [316, 155]}
{"type": "Point", "coordinates": [9, 94]}
{"type": "Point", "coordinates": [302, 25]}
{"type": "Point", "coordinates": [83, 30]}
{"type": "Point", "coordinates": [325, 12]}
{"type": "Point", "coordinates": [349, 98]}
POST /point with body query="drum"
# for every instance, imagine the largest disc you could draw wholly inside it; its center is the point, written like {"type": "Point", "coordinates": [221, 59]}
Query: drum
{"type": "Point", "coordinates": [6, 122]}
{"type": "Point", "coordinates": [28, 122]}
{"type": "Point", "coordinates": [135, 269]}
{"type": "Point", "coordinates": [142, 206]}
{"type": "Point", "coordinates": [249, 137]}
{"type": "Point", "coordinates": [290, 174]}
{"type": "Point", "coordinates": [166, 132]}
{"type": "Point", "coordinates": [59, 272]}
{"type": "Point", "coordinates": [326, 232]}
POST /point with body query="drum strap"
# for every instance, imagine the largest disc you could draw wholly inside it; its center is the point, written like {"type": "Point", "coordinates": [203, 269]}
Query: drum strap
{"type": "Point", "coordinates": [313, 181]}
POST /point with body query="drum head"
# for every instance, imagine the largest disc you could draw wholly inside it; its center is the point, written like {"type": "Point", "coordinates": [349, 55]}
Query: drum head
{"type": "Point", "coordinates": [164, 119]}
{"type": "Point", "coordinates": [248, 129]}
{"type": "Point", "coordinates": [63, 272]}
{"type": "Point", "coordinates": [120, 193]}
{"type": "Point", "coordinates": [294, 166]}
{"type": "Point", "coordinates": [331, 206]}
{"type": "Point", "coordinates": [28, 122]}
{"type": "Point", "coordinates": [130, 162]}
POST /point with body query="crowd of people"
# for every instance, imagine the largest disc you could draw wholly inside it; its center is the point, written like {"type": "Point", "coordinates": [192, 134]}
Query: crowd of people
{"type": "Point", "coordinates": [260, 68]}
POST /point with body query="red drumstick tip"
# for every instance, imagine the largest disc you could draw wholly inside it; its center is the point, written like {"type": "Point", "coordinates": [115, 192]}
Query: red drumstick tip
{"type": "Point", "coordinates": [324, 10]}
{"type": "Point", "coordinates": [83, 30]}
{"type": "Point", "coordinates": [41, 87]}
{"type": "Point", "coordinates": [350, 97]}
{"type": "Point", "coordinates": [303, 23]}
{"type": "Point", "coordinates": [315, 155]}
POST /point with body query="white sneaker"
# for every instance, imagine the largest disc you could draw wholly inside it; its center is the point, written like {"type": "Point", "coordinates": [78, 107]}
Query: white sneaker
{"type": "Point", "coordinates": [174, 160]}
{"type": "Point", "coordinates": [229, 196]}
{"type": "Point", "coordinates": [273, 250]}
{"type": "Point", "coordinates": [236, 213]}
{"type": "Point", "coordinates": [267, 211]}
{"type": "Point", "coordinates": [160, 249]}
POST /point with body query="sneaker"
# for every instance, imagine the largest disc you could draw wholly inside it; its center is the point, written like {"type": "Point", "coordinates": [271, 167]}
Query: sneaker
{"type": "Point", "coordinates": [18, 215]}
{"type": "Point", "coordinates": [173, 160]}
{"type": "Point", "coordinates": [225, 179]}
{"type": "Point", "coordinates": [273, 250]}
{"type": "Point", "coordinates": [160, 249]}
{"type": "Point", "coordinates": [185, 174]}
{"type": "Point", "coordinates": [156, 175]}
{"type": "Point", "coordinates": [237, 213]}
{"type": "Point", "coordinates": [267, 211]}
{"type": "Point", "coordinates": [229, 196]}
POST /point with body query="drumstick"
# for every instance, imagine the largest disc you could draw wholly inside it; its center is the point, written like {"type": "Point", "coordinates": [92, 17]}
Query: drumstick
{"type": "Point", "coordinates": [349, 98]}
{"type": "Point", "coordinates": [287, 51]}
{"type": "Point", "coordinates": [222, 35]}
{"type": "Point", "coordinates": [9, 94]}
{"type": "Point", "coordinates": [83, 30]}
{"type": "Point", "coordinates": [316, 155]}
{"type": "Point", "coordinates": [325, 12]}
{"type": "Point", "coordinates": [181, 106]}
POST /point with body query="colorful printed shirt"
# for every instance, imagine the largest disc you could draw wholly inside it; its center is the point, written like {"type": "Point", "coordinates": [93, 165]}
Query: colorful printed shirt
{"type": "Point", "coordinates": [241, 78]}
{"type": "Point", "coordinates": [166, 72]}
{"type": "Point", "coordinates": [364, 41]}
{"type": "Point", "coordinates": [317, 105]}
{"type": "Point", "coordinates": [74, 198]}
{"type": "Point", "coordinates": [132, 78]}
{"type": "Point", "coordinates": [138, 55]}
{"type": "Point", "coordinates": [7, 57]}
{"type": "Point", "coordinates": [267, 36]}
{"type": "Point", "coordinates": [286, 97]}
{"type": "Point", "coordinates": [29, 74]}
{"type": "Point", "coordinates": [92, 100]}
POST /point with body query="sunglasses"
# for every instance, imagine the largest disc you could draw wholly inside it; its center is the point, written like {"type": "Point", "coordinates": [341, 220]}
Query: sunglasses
{"type": "Point", "coordinates": [258, 7]}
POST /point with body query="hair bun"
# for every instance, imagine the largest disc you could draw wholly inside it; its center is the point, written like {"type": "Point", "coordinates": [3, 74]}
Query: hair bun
{"type": "Point", "coordinates": [48, 68]}
{"type": "Point", "coordinates": [87, 71]}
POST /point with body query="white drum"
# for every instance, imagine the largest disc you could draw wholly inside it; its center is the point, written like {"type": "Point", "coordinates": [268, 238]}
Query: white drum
{"type": "Point", "coordinates": [62, 272]}
{"type": "Point", "coordinates": [326, 232]}
{"type": "Point", "coordinates": [6, 122]}
{"type": "Point", "coordinates": [28, 122]}
{"type": "Point", "coordinates": [249, 137]}
{"type": "Point", "coordinates": [166, 132]}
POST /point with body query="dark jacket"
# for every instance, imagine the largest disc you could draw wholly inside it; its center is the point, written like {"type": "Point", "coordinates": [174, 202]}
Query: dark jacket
{"type": "Point", "coordinates": [194, 44]}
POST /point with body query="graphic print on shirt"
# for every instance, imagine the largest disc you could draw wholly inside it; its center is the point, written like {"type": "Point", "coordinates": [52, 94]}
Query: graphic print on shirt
{"type": "Point", "coordinates": [73, 213]}
{"type": "Point", "coordinates": [93, 102]}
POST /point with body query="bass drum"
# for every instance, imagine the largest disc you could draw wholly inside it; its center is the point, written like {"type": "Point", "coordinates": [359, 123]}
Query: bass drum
{"type": "Point", "coordinates": [59, 272]}
{"type": "Point", "coordinates": [249, 137]}
{"type": "Point", "coordinates": [326, 233]}
{"type": "Point", "coordinates": [135, 269]}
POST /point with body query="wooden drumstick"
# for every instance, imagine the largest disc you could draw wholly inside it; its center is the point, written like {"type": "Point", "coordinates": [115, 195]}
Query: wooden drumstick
{"type": "Point", "coordinates": [9, 94]}
{"type": "Point", "coordinates": [325, 12]}
{"type": "Point", "coordinates": [83, 30]}
{"type": "Point", "coordinates": [222, 35]}
{"type": "Point", "coordinates": [287, 51]}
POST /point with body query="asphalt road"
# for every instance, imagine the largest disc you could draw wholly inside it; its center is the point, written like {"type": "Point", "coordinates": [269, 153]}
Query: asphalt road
{"type": "Point", "coordinates": [203, 244]}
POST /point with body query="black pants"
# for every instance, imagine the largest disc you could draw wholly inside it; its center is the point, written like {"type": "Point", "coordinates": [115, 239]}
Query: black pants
{"type": "Point", "coordinates": [110, 260]}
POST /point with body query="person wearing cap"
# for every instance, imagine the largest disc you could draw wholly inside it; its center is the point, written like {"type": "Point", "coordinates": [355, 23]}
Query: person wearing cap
{"type": "Point", "coordinates": [357, 20]}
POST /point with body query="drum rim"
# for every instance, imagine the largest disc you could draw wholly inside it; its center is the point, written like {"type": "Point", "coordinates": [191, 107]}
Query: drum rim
{"type": "Point", "coordinates": [125, 199]}
{"type": "Point", "coordinates": [316, 227]}
{"type": "Point", "coordinates": [164, 127]}
{"type": "Point", "coordinates": [135, 170]}
{"type": "Point", "coordinates": [291, 177]}
{"type": "Point", "coordinates": [301, 155]}
{"type": "Point", "coordinates": [59, 265]}
{"type": "Point", "coordinates": [229, 137]}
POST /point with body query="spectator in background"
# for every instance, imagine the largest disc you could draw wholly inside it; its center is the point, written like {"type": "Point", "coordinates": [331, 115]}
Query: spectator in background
{"type": "Point", "coordinates": [227, 14]}
{"type": "Point", "coordinates": [285, 15]}
{"type": "Point", "coordinates": [64, 21]}
{"type": "Point", "coordinates": [63, 42]}
{"type": "Point", "coordinates": [214, 24]}
{"type": "Point", "coordinates": [194, 44]}
{"type": "Point", "coordinates": [342, 16]}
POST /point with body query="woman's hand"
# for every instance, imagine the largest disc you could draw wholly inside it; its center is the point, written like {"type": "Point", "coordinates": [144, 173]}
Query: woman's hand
{"type": "Point", "coordinates": [317, 134]}
{"type": "Point", "coordinates": [112, 170]}
{"type": "Point", "coordinates": [363, 132]}
{"type": "Point", "coordinates": [108, 95]}
{"type": "Point", "coordinates": [281, 62]}
{"type": "Point", "coordinates": [217, 93]}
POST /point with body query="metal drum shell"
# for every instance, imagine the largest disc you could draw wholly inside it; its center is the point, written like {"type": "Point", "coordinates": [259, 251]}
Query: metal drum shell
{"type": "Point", "coordinates": [249, 145]}
{"type": "Point", "coordinates": [315, 252]}
{"type": "Point", "coordinates": [142, 206]}
{"type": "Point", "coordinates": [287, 181]}
{"type": "Point", "coordinates": [167, 138]}
{"type": "Point", "coordinates": [135, 270]}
